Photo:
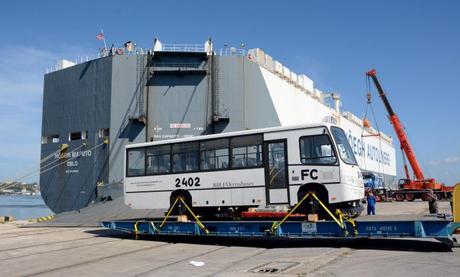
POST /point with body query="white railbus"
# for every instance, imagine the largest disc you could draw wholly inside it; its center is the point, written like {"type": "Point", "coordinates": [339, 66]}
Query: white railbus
{"type": "Point", "coordinates": [238, 170]}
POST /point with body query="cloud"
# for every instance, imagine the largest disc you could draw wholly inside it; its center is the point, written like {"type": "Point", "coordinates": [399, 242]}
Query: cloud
{"type": "Point", "coordinates": [446, 161]}
{"type": "Point", "coordinates": [22, 71]}
{"type": "Point", "coordinates": [445, 170]}
{"type": "Point", "coordinates": [21, 78]}
{"type": "Point", "coordinates": [452, 160]}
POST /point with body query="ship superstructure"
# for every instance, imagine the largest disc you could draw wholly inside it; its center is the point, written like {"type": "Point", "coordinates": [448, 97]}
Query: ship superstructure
{"type": "Point", "coordinates": [92, 109]}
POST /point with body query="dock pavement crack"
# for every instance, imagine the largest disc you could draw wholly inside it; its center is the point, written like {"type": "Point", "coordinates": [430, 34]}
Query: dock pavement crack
{"type": "Point", "coordinates": [56, 250]}
{"type": "Point", "coordinates": [95, 260]}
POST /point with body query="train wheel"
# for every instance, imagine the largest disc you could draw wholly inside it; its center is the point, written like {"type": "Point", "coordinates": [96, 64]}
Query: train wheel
{"type": "Point", "coordinates": [399, 197]}
{"type": "Point", "coordinates": [310, 205]}
{"type": "Point", "coordinates": [410, 197]}
{"type": "Point", "coordinates": [180, 209]}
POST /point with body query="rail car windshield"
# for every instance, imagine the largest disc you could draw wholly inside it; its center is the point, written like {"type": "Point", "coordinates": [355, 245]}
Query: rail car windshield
{"type": "Point", "coordinates": [345, 151]}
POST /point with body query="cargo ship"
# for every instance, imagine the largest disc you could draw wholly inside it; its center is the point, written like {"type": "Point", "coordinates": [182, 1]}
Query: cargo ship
{"type": "Point", "coordinates": [93, 108]}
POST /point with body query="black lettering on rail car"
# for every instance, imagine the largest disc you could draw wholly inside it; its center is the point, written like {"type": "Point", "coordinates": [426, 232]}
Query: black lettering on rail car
{"type": "Point", "coordinates": [313, 173]}
{"type": "Point", "coordinates": [187, 182]}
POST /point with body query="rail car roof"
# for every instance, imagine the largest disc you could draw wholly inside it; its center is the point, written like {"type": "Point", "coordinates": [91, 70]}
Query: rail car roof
{"type": "Point", "coordinates": [232, 134]}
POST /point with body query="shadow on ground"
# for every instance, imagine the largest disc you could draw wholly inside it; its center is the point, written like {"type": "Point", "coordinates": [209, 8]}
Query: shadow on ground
{"type": "Point", "coordinates": [279, 242]}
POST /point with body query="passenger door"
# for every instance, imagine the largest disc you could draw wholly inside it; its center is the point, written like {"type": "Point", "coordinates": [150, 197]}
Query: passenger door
{"type": "Point", "coordinates": [276, 175]}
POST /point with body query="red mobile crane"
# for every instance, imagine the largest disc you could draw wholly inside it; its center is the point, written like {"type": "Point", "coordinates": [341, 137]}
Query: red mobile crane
{"type": "Point", "coordinates": [419, 186]}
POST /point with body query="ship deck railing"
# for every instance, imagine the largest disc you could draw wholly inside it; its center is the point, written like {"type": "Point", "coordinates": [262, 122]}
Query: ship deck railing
{"type": "Point", "coordinates": [231, 51]}
{"type": "Point", "coordinates": [180, 47]}
{"type": "Point", "coordinates": [181, 66]}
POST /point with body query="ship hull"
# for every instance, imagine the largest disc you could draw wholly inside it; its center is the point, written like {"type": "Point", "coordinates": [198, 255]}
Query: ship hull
{"type": "Point", "coordinates": [124, 99]}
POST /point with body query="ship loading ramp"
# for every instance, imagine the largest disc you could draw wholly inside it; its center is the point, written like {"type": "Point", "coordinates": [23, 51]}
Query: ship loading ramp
{"type": "Point", "coordinates": [341, 227]}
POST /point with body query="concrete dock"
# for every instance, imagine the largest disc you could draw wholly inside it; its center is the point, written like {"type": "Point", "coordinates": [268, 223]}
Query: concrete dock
{"type": "Point", "coordinates": [90, 251]}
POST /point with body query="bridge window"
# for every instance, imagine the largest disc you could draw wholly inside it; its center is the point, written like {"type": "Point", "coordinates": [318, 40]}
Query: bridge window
{"type": "Point", "coordinates": [185, 157]}
{"type": "Point", "coordinates": [317, 150]}
{"type": "Point", "coordinates": [214, 154]}
{"type": "Point", "coordinates": [136, 162]}
{"type": "Point", "coordinates": [246, 151]}
{"type": "Point", "coordinates": [158, 159]}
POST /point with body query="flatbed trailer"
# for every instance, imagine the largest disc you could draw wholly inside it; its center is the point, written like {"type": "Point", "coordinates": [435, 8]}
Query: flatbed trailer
{"type": "Point", "coordinates": [440, 230]}
{"type": "Point", "coordinates": [340, 227]}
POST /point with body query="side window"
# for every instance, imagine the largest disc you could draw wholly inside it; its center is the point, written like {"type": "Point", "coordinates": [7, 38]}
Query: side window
{"type": "Point", "coordinates": [246, 151]}
{"type": "Point", "coordinates": [50, 139]}
{"type": "Point", "coordinates": [103, 133]}
{"type": "Point", "coordinates": [136, 162]}
{"type": "Point", "coordinates": [214, 154]}
{"type": "Point", "coordinates": [158, 159]}
{"type": "Point", "coordinates": [185, 157]}
{"type": "Point", "coordinates": [277, 165]}
{"type": "Point", "coordinates": [78, 135]}
{"type": "Point", "coordinates": [317, 150]}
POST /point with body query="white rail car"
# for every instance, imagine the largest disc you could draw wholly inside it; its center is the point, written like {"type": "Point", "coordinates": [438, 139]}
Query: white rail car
{"type": "Point", "coordinates": [238, 170]}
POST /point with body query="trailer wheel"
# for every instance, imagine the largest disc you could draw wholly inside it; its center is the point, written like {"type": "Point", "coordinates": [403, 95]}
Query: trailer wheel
{"type": "Point", "coordinates": [399, 197]}
{"type": "Point", "coordinates": [410, 197]}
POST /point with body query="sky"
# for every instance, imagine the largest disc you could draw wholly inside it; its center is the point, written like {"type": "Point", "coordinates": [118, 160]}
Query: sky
{"type": "Point", "coordinates": [414, 45]}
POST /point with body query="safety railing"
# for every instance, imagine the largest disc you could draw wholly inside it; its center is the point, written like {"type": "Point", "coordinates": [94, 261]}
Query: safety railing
{"type": "Point", "coordinates": [173, 47]}
{"type": "Point", "coordinates": [232, 51]}
{"type": "Point", "coordinates": [101, 54]}
{"type": "Point", "coordinates": [183, 66]}
{"type": "Point", "coordinates": [105, 52]}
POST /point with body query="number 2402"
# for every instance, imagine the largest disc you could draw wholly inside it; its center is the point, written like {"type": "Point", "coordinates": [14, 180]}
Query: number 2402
{"type": "Point", "coordinates": [188, 182]}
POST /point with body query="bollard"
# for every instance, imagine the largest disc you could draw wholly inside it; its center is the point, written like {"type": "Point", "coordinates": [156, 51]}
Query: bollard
{"type": "Point", "coordinates": [7, 218]}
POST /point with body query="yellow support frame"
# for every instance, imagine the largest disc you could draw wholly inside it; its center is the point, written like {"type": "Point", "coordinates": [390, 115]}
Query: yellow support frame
{"type": "Point", "coordinates": [339, 220]}
{"type": "Point", "coordinates": [197, 220]}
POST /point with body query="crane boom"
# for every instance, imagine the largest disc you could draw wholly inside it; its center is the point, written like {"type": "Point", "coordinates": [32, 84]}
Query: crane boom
{"type": "Point", "coordinates": [410, 188]}
{"type": "Point", "coordinates": [399, 129]}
